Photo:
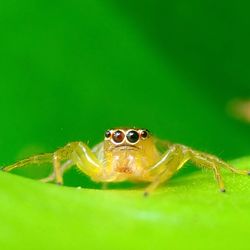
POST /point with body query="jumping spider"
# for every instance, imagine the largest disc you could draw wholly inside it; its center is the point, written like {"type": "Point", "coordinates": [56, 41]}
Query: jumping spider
{"type": "Point", "coordinates": [127, 154]}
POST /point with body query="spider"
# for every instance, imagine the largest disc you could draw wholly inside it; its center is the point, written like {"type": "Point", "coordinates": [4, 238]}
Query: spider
{"type": "Point", "coordinates": [127, 154]}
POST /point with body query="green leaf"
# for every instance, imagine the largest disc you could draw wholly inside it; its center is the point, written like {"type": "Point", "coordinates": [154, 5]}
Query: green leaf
{"type": "Point", "coordinates": [187, 212]}
{"type": "Point", "coordinates": [71, 69]}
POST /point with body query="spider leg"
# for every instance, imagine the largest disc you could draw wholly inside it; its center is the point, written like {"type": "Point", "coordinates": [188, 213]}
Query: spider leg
{"type": "Point", "coordinates": [178, 155]}
{"type": "Point", "coordinates": [74, 153]}
{"type": "Point", "coordinates": [204, 159]}
{"type": "Point", "coordinates": [211, 162]}
{"type": "Point", "coordinates": [79, 154]}
{"type": "Point", "coordinates": [66, 165]}
{"type": "Point", "coordinates": [49, 178]}
{"type": "Point", "coordinates": [170, 162]}
{"type": "Point", "coordinates": [234, 170]}
{"type": "Point", "coordinates": [36, 159]}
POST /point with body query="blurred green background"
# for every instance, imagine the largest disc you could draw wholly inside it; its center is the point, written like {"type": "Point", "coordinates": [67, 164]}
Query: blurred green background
{"type": "Point", "coordinates": [70, 70]}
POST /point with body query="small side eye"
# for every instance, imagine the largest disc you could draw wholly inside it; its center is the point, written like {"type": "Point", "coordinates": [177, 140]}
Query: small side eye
{"type": "Point", "coordinates": [144, 134]}
{"type": "Point", "coordinates": [132, 136]}
{"type": "Point", "coordinates": [118, 136]}
{"type": "Point", "coordinates": [107, 134]}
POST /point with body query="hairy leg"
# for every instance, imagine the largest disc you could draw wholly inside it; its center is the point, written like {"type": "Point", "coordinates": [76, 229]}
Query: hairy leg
{"type": "Point", "coordinates": [36, 159]}
{"type": "Point", "coordinates": [170, 162]}
{"type": "Point", "coordinates": [78, 154]}
{"type": "Point", "coordinates": [178, 155]}
{"type": "Point", "coordinates": [75, 153]}
{"type": "Point", "coordinates": [65, 166]}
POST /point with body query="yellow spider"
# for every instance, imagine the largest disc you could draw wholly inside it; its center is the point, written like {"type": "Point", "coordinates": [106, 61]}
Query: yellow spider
{"type": "Point", "coordinates": [127, 154]}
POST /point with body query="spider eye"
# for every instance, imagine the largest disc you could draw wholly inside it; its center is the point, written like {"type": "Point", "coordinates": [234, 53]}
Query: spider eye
{"type": "Point", "coordinates": [144, 134]}
{"type": "Point", "coordinates": [108, 134]}
{"type": "Point", "coordinates": [118, 136]}
{"type": "Point", "coordinates": [132, 136]}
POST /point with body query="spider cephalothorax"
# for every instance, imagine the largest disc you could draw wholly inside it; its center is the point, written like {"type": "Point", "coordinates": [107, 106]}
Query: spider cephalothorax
{"type": "Point", "coordinates": [126, 150]}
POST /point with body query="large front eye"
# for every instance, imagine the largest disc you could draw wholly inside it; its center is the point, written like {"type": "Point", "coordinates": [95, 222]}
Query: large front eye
{"type": "Point", "coordinates": [118, 136]}
{"type": "Point", "coordinates": [132, 136]}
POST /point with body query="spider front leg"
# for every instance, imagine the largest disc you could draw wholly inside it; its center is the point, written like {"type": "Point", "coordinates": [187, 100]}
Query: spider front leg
{"type": "Point", "coordinates": [178, 155]}
{"type": "Point", "coordinates": [75, 153]}
{"type": "Point", "coordinates": [79, 154]}
{"type": "Point", "coordinates": [170, 162]}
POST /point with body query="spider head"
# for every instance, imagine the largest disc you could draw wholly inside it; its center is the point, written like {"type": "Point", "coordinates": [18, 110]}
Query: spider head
{"type": "Point", "coordinates": [126, 139]}
{"type": "Point", "coordinates": [129, 150]}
